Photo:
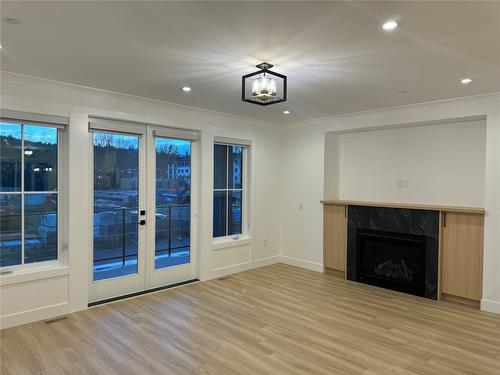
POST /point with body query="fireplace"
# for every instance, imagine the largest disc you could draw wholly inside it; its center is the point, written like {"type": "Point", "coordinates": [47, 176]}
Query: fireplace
{"type": "Point", "coordinates": [394, 248]}
{"type": "Point", "coordinates": [392, 260]}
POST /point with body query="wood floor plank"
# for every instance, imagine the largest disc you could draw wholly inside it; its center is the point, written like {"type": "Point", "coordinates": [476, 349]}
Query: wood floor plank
{"type": "Point", "coordinates": [277, 319]}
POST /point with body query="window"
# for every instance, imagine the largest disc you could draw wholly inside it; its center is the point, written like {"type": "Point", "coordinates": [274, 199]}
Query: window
{"type": "Point", "coordinates": [228, 190]}
{"type": "Point", "coordinates": [28, 193]}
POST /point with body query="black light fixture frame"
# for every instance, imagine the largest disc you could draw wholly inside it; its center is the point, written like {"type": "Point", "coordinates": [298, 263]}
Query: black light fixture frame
{"type": "Point", "coordinates": [264, 68]}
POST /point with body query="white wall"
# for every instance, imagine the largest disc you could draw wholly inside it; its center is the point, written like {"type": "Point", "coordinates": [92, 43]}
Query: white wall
{"type": "Point", "coordinates": [39, 294]}
{"type": "Point", "coordinates": [288, 182]}
{"type": "Point", "coordinates": [441, 164]}
{"type": "Point", "coordinates": [304, 178]}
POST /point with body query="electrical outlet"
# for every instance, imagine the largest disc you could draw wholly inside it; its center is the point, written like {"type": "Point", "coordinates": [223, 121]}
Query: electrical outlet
{"type": "Point", "coordinates": [265, 242]}
{"type": "Point", "coordinates": [400, 184]}
{"type": "Point", "coordinates": [406, 184]}
{"type": "Point", "coordinates": [301, 206]}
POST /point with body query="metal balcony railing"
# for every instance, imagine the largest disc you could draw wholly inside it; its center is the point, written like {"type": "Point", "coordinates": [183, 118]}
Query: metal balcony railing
{"type": "Point", "coordinates": [117, 239]}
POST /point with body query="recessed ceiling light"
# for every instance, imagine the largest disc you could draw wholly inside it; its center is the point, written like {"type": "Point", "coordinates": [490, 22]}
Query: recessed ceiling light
{"type": "Point", "coordinates": [466, 81]}
{"type": "Point", "coordinates": [186, 89]}
{"type": "Point", "coordinates": [0, 46]}
{"type": "Point", "coordinates": [12, 21]}
{"type": "Point", "coordinates": [402, 91]}
{"type": "Point", "coordinates": [390, 25]}
{"type": "Point", "coordinates": [286, 112]}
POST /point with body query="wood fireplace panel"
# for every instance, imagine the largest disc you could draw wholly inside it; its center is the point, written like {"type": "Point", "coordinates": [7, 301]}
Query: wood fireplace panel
{"type": "Point", "coordinates": [462, 255]}
{"type": "Point", "coordinates": [335, 237]}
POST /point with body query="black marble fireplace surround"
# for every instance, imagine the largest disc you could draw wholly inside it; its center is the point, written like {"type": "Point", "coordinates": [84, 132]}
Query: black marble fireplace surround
{"type": "Point", "coordinates": [413, 233]}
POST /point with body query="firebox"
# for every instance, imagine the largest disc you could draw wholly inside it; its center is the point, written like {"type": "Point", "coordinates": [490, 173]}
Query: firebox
{"type": "Point", "coordinates": [394, 248]}
{"type": "Point", "coordinates": [392, 260]}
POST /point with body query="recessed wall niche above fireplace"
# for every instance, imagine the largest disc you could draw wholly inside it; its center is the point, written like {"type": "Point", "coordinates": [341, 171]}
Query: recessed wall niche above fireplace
{"type": "Point", "coordinates": [394, 248]}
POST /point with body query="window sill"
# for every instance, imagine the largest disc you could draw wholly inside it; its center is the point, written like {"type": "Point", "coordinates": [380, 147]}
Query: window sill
{"type": "Point", "coordinates": [33, 273]}
{"type": "Point", "coordinates": [224, 243]}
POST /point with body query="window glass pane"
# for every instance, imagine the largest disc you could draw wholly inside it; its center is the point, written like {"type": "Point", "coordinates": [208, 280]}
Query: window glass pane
{"type": "Point", "coordinates": [116, 179]}
{"type": "Point", "coordinates": [234, 212]}
{"type": "Point", "coordinates": [173, 198]}
{"type": "Point", "coordinates": [10, 157]}
{"type": "Point", "coordinates": [235, 167]}
{"type": "Point", "coordinates": [220, 204]}
{"type": "Point", "coordinates": [220, 167]}
{"type": "Point", "coordinates": [40, 158]}
{"type": "Point", "coordinates": [10, 229]}
{"type": "Point", "coordinates": [40, 227]}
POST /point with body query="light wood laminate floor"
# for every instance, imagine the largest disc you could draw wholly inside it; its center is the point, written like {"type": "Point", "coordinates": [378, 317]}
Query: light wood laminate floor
{"type": "Point", "coordinates": [273, 320]}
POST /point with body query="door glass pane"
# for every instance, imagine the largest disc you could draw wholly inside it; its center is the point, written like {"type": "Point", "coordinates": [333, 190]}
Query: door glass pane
{"type": "Point", "coordinates": [220, 204]}
{"type": "Point", "coordinates": [235, 167]}
{"type": "Point", "coordinates": [40, 227]}
{"type": "Point", "coordinates": [220, 166]}
{"type": "Point", "coordinates": [234, 212]}
{"type": "Point", "coordinates": [10, 157]}
{"type": "Point", "coordinates": [10, 229]}
{"type": "Point", "coordinates": [116, 210]}
{"type": "Point", "coordinates": [40, 158]}
{"type": "Point", "coordinates": [173, 202]}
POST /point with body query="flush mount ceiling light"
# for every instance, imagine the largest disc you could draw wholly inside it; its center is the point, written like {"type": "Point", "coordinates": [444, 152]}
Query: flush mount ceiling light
{"type": "Point", "coordinates": [263, 87]}
{"type": "Point", "coordinates": [390, 25]}
{"type": "Point", "coordinates": [186, 89]}
{"type": "Point", "coordinates": [466, 81]}
{"type": "Point", "coordinates": [286, 112]}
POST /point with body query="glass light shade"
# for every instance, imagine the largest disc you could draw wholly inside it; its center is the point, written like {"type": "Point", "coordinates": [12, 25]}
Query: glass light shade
{"type": "Point", "coordinates": [263, 87]}
{"type": "Point", "coordinates": [255, 87]}
{"type": "Point", "coordinates": [272, 87]}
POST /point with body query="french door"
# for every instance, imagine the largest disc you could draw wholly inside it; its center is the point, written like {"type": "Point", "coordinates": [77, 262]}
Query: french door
{"type": "Point", "coordinates": [142, 209]}
{"type": "Point", "coordinates": [171, 205]}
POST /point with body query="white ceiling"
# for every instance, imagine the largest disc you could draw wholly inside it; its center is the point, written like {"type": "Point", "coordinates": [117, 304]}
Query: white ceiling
{"type": "Point", "coordinates": [337, 57]}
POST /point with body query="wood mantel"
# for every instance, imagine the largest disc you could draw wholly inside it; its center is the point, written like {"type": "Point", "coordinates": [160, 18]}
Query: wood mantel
{"type": "Point", "coordinates": [469, 210]}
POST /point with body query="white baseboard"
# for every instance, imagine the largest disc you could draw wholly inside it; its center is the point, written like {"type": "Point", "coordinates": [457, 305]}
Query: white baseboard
{"type": "Point", "coordinates": [267, 261]}
{"type": "Point", "coordinates": [34, 315]}
{"type": "Point", "coordinates": [235, 268]}
{"type": "Point", "coordinates": [307, 264]}
{"type": "Point", "coordinates": [490, 306]}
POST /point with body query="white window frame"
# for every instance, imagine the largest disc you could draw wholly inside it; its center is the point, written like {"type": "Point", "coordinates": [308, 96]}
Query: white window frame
{"type": "Point", "coordinates": [58, 122]}
{"type": "Point", "coordinates": [244, 236]}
